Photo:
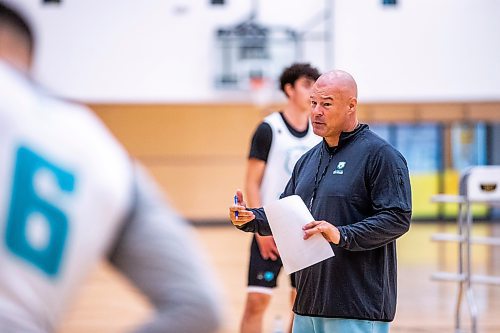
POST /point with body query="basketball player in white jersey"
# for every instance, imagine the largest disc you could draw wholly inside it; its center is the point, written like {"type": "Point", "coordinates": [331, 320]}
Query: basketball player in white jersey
{"type": "Point", "coordinates": [277, 144]}
{"type": "Point", "coordinates": [70, 196]}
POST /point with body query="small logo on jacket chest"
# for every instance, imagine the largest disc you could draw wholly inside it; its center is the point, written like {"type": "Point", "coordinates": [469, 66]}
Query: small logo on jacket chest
{"type": "Point", "coordinates": [340, 169]}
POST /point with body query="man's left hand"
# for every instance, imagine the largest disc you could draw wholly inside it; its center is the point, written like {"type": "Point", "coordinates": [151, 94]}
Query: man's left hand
{"type": "Point", "coordinates": [327, 230]}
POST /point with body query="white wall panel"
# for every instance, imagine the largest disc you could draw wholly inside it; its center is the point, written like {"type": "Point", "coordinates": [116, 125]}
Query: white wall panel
{"type": "Point", "coordinates": [163, 50]}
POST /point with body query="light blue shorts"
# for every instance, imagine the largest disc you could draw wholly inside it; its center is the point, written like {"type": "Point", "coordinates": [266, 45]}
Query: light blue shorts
{"type": "Point", "coordinates": [304, 324]}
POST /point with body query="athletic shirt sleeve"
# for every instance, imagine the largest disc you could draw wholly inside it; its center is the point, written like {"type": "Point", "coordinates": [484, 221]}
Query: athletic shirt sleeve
{"type": "Point", "coordinates": [261, 142]}
{"type": "Point", "coordinates": [158, 253]}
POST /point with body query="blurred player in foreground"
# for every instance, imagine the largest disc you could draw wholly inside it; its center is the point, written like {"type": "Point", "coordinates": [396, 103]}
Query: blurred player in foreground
{"type": "Point", "coordinates": [70, 196]}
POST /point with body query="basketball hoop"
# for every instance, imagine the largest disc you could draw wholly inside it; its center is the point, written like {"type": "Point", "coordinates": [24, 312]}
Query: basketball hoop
{"type": "Point", "coordinates": [261, 91]}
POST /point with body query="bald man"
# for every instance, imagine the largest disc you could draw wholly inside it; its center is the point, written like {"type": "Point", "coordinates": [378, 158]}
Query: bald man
{"type": "Point", "coordinates": [357, 187]}
{"type": "Point", "coordinates": [70, 196]}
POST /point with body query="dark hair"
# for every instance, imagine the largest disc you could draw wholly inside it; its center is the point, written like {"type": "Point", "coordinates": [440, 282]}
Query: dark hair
{"type": "Point", "coordinates": [296, 71]}
{"type": "Point", "coordinates": [13, 19]}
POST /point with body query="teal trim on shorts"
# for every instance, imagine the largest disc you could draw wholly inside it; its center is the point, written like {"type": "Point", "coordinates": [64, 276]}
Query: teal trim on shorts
{"type": "Point", "coordinates": [304, 324]}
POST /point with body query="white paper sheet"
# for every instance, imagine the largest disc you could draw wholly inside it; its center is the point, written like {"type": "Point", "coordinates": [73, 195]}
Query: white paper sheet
{"type": "Point", "coordinates": [286, 218]}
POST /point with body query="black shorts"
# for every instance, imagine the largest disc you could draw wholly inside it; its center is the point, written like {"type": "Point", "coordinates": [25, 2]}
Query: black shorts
{"type": "Point", "coordinates": [264, 273]}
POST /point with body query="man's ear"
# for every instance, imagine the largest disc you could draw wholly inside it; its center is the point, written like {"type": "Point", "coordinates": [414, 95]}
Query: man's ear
{"type": "Point", "coordinates": [15, 50]}
{"type": "Point", "coordinates": [353, 102]}
{"type": "Point", "coordinates": [289, 89]}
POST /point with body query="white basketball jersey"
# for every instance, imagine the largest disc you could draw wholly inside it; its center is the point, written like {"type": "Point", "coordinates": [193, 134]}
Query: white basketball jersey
{"type": "Point", "coordinates": [285, 151]}
{"type": "Point", "coordinates": [65, 183]}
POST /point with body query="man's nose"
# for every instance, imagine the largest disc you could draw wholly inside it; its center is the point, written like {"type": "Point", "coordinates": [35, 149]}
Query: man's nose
{"type": "Point", "coordinates": [316, 110]}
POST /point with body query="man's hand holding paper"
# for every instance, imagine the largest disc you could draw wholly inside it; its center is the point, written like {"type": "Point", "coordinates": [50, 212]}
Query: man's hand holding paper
{"type": "Point", "coordinates": [301, 241]}
{"type": "Point", "coordinates": [328, 230]}
{"type": "Point", "coordinates": [287, 217]}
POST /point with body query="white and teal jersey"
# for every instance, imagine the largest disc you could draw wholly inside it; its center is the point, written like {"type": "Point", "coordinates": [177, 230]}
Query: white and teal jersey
{"type": "Point", "coordinates": [285, 150]}
{"type": "Point", "coordinates": [65, 185]}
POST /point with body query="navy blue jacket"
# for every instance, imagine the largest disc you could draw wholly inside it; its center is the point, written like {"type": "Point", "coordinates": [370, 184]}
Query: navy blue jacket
{"type": "Point", "coordinates": [366, 193]}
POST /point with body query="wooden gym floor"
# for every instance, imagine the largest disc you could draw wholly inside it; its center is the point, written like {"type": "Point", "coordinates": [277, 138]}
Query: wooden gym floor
{"type": "Point", "coordinates": [108, 304]}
